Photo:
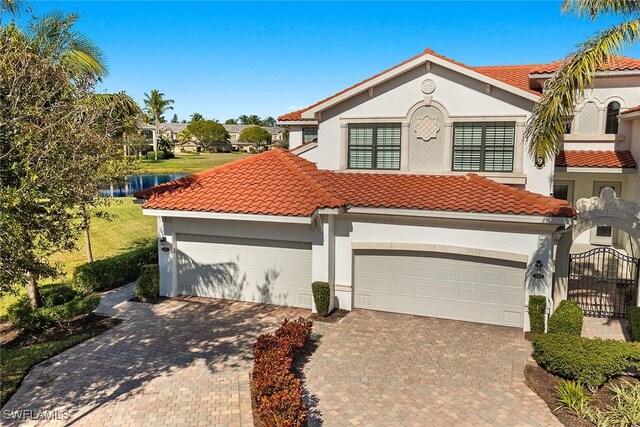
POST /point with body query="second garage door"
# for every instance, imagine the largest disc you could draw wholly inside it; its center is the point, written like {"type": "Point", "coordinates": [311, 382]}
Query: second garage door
{"type": "Point", "coordinates": [267, 271]}
{"type": "Point", "coordinates": [441, 285]}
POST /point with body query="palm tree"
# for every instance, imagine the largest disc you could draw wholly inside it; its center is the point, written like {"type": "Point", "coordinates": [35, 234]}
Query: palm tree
{"type": "Point", "coordinates": [550, 114]}
{"type": "Point", "coordinates": [11, 6]}
{"type": "Point", "coordinates": [52, 36]}
{"type": "Point", "coordinates": [156, 105]}
{"type": "Point", "coordinates": [269, 121]}
{"type": "Point", "coordinates": [196, 117]}
{"type": "Point", "coordinates": [231, 122]}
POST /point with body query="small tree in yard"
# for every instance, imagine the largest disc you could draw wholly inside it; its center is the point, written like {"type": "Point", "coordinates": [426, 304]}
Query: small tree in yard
{"type": "Point", "coordinates": [255, 135]}
{"type": "Point", "coordinates": [208, 132]}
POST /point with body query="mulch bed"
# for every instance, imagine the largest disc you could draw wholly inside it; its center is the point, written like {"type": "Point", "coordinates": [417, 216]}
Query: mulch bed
{"type": "Point", "coordinates": [545, 384]}
{"type": "Point", "coordinates": [11, 338]}
{"type": "Point", "coordinates": [334, 317]}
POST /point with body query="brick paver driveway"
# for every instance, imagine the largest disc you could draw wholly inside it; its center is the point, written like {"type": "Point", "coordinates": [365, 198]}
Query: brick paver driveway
{"type": "Point", "coordinates": [187, 362]}
{"type": "Point", "coordinates": [181, 362]}
{"type": "Point", "coordinates": [383, 369]}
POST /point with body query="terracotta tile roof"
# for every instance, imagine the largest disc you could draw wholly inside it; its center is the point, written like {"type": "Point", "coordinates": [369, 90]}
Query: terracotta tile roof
{"type": "Point", "coordinates": [615, 63]}
{"type": "Point", "coordinates": [280, 183]}
{"type": "Point", "coordinates": [468, 193]}
{"type": "Point", "coordinates": [595, 159]}
{"type": "Point", "coordinates": [631, 110]}
{"type": "Point", "coordinates": [514, 75]}
{"type": "Point", "coordinates": [276, 183]}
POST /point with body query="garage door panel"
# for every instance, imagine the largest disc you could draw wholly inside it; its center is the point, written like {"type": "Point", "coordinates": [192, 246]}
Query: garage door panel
{"type": "Point", "coordinates": [245, 269]}
{"type": "Point", "coordinates": [440, 285]}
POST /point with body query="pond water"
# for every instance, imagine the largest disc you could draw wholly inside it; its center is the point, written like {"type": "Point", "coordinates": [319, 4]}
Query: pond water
{"type": "Point", "coordinates": [140, 182]}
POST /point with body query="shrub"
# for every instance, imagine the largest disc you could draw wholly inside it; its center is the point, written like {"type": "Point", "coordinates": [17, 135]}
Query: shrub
{"type": "Point", "coordinates": [625, 411]}
{"type": "Point", "coordinates": [23, 316]}
{"type": "Point", "coordinates": [151, 156]}
{"type": "Point", "coordinates": [566, 319]}
{"type": "Point", "coordinates": [274, 387]}
{"type": "Point", "coordinates": [321, 296]}
{"type": "Point", "coordinates": [634, 323]}
{"type": "Point", "coordinates": [115, 271]}
{"type": "Point", "coordinates": [591, 361]}
{"type": "Point", "coordinates": [148, 284]}
{"type": "Point", "coordinates": [571, 394]}
{"type": "Point", "coordinates": [56, 295]}
{"type": "Point", "coordinates": [537, 311]}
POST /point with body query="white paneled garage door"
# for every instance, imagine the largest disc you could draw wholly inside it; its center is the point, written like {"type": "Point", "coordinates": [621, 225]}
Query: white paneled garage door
{"type": "Point", "coordinates": [267, 271]}
{"type": "Point", "coordinates": [441, 285]}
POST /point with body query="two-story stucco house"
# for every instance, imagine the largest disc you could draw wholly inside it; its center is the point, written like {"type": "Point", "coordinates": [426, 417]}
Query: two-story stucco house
{"type": "Point", "coordinates": [412, 192]}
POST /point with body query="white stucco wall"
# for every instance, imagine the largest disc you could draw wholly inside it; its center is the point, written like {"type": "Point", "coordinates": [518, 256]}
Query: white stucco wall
{"type": "Point", "coordinates": [460, 96]}
{"type": "Point", "coordinates": [534, 242]}
{"type": "Point", "coordinates": [295, 136]}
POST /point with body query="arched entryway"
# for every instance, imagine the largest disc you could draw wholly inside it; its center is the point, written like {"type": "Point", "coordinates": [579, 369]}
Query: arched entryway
{"type": "Point", "coordinates": [579, 273]}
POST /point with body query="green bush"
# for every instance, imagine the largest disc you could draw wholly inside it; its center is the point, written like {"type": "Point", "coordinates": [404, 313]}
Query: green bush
{"type": "Point", "coordinates": [634, 323]}
{"type": "Point", "coordinates": [151, 156]}
{"type": "Point", "coordinates": [115, 271]}
{"type": "Point", "coordinates": [571, 395]}
{"type": "Point", "coordinates": [591, 361]}
{"type": "Point", "coordinates": [22, 315]}
{"type": "Point", "coordinates": [321, 296]}
{"type": "Point", "coordinates": [148, 284]}
{"type": "Point", "coordinates": [56, 295]}
{"type": "Point", "coordinates": [566, 319]}
{"type": "Point", "coordinates": [537, 310]}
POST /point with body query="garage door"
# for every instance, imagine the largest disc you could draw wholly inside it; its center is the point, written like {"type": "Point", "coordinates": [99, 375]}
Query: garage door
{"type": "Point", "coordinates": [266, 271]}
{"type": "Point", "coordinates": [441, 285]}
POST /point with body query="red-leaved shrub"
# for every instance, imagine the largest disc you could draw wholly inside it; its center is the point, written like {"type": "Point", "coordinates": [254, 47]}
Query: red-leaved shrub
{"type": "Point", "coordinates": [274, 387]}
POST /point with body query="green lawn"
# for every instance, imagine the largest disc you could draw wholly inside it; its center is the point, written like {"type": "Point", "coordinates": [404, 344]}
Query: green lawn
{"type": "Point", "coordinates": [189, 163]}
{"type": "Point", "coordinates": [127, 230]}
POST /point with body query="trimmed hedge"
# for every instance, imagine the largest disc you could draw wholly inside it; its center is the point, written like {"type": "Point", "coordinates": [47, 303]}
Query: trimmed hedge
{"type": "Point", "coordinates": [115, 271]}
{"type": "Point", "coordinates": [634, 323]}
{"type": "Point", "coordinates": [592, 361]}
{"type": "Point", "coordinates": [148, 284]}
{"type": "Point", "coordinates": [274, 387]}
{"type": "Point", "coordinates": [22, 315]}
{"type": "Point", "coordinates": [537, 311]}
{"type": "Point", "coordinates": [151, 156]}
{"type": "Point", "coordinates": [321, 296]}
{"type": "Point", "coordinates": [566, 319]}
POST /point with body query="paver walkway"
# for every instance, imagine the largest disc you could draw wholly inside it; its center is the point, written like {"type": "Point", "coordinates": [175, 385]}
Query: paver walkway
{"type": "Point", "coordinates": [181, 362]}
{"type": "Point", "coordinates": [606, 327]}
{"type": "Point", "coordinates": [383, 369]}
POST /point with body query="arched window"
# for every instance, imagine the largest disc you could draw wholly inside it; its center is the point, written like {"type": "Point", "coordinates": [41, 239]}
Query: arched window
{"type": "Point", "coordinates": [613, 109]}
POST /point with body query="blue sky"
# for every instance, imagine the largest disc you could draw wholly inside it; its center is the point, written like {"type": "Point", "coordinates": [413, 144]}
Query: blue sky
{"type": "Point", "coordinates": [227, 59]}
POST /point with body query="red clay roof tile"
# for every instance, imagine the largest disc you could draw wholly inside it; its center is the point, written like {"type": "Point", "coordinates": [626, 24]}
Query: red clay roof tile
{"type": "Point", "coordinates": [615, 63]}
{"type": "Point", "coordinates": [280, 183]}
{"type": "Point", "coordinates": [595, 159]}
{"type": "Point", "coordinates": [631, 110]}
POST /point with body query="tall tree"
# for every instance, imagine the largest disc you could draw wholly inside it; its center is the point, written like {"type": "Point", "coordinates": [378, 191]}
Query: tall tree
{"type": "Point", "coordinates": [208, 132]}
{"type": "Point", "coordinates": [576, 73]}
{"type": "Point", "coordinates": [52, 134]}
{"type": "Point", "coordinates": [156, 105]}
{"type": "Point", "coordinates": [269, 121]}
{"type": "Point", "coordinates": [174, 119]}
{"type": "Point", "coordinates": [231, 122]}
{"type": "Point", "coordinates": [255, 135]}
{"type": "Point", "coordinates": [250, 120]}
{"type": "Point", "coordinates": [196, 117]}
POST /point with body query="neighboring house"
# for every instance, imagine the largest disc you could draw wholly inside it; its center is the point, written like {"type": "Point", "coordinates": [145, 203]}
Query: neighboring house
{"type": "Point", "coordinates": [412, 192]}
{"type": "Point", "coordinates": [170, 131]}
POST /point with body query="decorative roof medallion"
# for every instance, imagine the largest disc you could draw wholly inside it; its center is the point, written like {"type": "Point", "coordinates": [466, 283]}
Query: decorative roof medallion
{"type": "Point", "coordinates": [427, 128]}
{"type": "Point", "coordinates": [607, 204]}
{"type": "Point", "coordinates": [428, 86]}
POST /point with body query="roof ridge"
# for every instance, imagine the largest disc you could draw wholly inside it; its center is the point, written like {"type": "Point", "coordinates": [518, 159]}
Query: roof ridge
{"type": "Point", "coordinates": [288, 159]}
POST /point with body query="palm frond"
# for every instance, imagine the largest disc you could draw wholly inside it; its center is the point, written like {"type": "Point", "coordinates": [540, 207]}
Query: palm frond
{"type": "Point", "coordinates": [547, 123]}
{"type": "Point", "coordinates": [85, 57]}
{"type": "Point", "coordinates": [595, 8]}
{"type": "Point", "coordinates": [12, 6]}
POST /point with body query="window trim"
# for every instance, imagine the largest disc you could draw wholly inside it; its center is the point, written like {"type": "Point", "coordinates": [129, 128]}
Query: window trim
{"type": "Point", "coordinates": [309, 127]}
{"type": "Point", "coordinates": [614, 118]}
{"type": "Point", "coordinates": [374, 145]}
{"type": "Point", "coordinates": [482, 146]}
{"type": "Point", "coordinates": [570, 188]}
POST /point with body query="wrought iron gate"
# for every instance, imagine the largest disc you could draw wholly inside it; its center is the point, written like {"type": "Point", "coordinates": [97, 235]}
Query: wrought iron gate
{"type": "Point", "coordinates": [603, 281]}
